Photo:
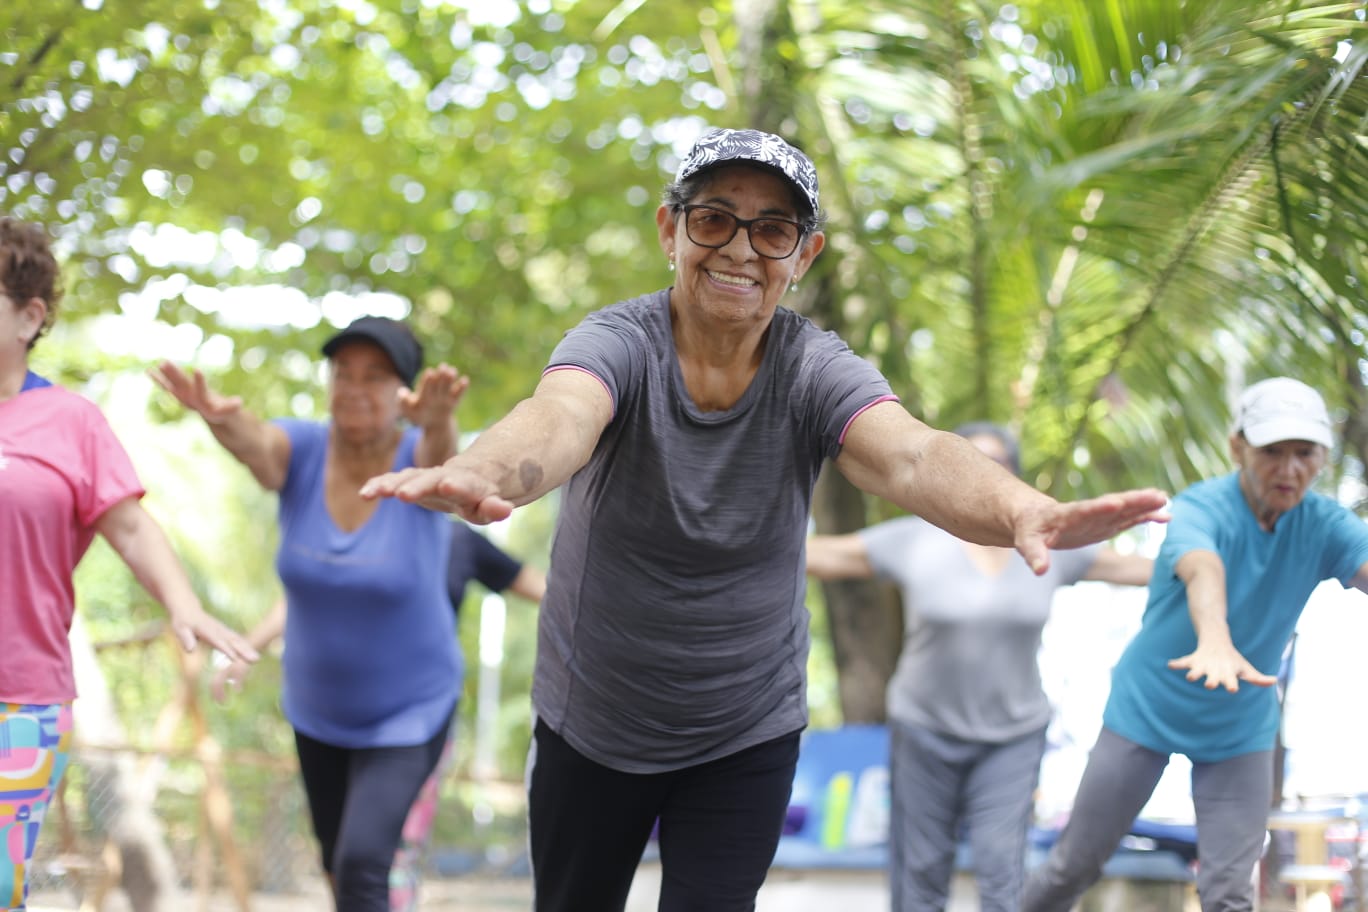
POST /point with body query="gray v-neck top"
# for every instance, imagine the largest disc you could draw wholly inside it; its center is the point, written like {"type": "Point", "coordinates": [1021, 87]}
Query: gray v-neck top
{"type": "Point", "coordinates": [970, 638]}
{"type": "Point", "coordinates": [674, 629]}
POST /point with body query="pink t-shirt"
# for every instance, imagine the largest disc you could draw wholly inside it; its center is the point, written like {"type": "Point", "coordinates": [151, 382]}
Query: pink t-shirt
{"type": "Point", "coordinates": [61, 468]}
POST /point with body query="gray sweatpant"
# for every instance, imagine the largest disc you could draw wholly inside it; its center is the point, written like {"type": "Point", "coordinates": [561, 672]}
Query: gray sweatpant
{"type": "Point", "coordinates": [1231, 799]}
{"type": "Point", "coordinates": [940, 784]}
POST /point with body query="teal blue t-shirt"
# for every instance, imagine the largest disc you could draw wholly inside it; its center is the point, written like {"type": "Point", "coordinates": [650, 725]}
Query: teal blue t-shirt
{"type": "Point", "coordinates": [1269, 577]}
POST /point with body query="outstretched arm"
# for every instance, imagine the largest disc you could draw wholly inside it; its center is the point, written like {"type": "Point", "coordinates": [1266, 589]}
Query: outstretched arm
{"type": "Point", "coordinates": [143, 546]}
{"type": "Point", "coordinates": [1111, 566]}
{"type": "Point", "coordinates": [946, 480]}
{"type": "Point", "coordinates": [1215, 658]}
{"type": "Point", "coordinates": [262, 447]}
{"type": "Point", "coordinates": [832, 557]}
{"type": "Point", "coordinates": [533, 449]}
{"type": "Point", "coordinates": [530, 583]}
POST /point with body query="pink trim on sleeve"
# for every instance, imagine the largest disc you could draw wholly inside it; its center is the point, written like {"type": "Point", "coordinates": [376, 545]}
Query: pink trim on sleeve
{"type": "Point", "coordinates": [889, 398]}
{"type": "Point", "coordinates": [575, 367]}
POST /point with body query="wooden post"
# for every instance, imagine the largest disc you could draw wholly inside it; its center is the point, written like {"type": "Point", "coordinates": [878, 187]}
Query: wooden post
{"type": "Point", "coordinates": [216, 809]}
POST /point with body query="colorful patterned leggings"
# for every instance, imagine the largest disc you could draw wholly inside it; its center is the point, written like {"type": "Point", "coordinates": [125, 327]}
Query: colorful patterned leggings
{"type": "Point", "coordinates": [35, 745]}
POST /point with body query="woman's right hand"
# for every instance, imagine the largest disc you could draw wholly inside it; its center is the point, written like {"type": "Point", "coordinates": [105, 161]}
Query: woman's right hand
{"type": "Point", "coordinates": [229, 676]}
{"type": "Point", "coordinates": [446, 488]}
{"type": "Point", "coordinates": [192, 391]}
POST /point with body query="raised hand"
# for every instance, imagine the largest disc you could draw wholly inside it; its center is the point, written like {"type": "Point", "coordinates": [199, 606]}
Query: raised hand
{"type": "Point", "coordinates": [192, 391]}
{"type": "Point", "coordinates": [436, 394]}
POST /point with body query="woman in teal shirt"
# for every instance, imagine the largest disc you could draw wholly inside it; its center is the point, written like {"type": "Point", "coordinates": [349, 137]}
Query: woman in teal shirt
{"type": "Point", "coordinates": [1241, 557]}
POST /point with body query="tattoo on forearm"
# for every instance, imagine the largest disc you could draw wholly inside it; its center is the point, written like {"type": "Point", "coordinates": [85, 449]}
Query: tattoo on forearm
{"type": "Point", "coordinates": [530, 475]}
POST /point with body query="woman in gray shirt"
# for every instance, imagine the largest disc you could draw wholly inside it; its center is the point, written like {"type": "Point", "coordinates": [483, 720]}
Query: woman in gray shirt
{"type": "Point", "coordinates": [688, 427]}
{"type": "Point", "coordinates": [966, 711]}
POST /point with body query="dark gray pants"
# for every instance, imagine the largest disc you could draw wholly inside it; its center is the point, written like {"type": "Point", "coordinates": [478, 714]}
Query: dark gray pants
{"type": "Point", "coordinates": [358, 799]}
{"type": "Point", "coordinates": [940, 784]}
{"type": "Point", "coordinates": [1231, 798]}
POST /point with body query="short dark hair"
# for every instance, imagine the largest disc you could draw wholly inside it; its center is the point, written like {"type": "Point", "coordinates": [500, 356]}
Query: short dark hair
{"type": "Point", "coordinates": [28, 269]}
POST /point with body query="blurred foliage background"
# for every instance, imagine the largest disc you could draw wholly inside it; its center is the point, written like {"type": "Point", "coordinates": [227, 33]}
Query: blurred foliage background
{"type": "Point", "coordinates": [1090, 221]}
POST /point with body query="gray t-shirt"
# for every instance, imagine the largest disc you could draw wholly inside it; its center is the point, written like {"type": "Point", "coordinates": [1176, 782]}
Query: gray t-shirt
{"type": "Point", "coordinates": [968, 664]}
{"type": "Point", "coordinates": [674, 631]}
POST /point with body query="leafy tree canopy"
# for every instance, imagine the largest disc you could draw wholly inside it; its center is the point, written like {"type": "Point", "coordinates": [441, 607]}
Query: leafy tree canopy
{"type": "Point", "coordinates": [1091, 221]}
{"type": "Point", "coordinates": [1084, 219]}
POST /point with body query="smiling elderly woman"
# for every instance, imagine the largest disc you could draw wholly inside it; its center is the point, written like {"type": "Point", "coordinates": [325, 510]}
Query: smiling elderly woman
{"type": "Point", "coordinates": [688, 427]}
{"type": "Point", "coordinates": [1239, 562]}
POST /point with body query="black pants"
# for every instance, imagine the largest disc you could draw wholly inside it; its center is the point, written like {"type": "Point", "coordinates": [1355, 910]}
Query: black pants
{"type": "Point", "coordinates": [720, 823]}
{"type": "Point", "coordinates": [358, 799]}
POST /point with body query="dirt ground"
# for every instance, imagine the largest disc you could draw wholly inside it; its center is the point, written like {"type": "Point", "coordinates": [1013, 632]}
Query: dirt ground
{"type": "Point", "coordinates": [466, 894]}
{"type": "Point", "coordinates": [783, 892]}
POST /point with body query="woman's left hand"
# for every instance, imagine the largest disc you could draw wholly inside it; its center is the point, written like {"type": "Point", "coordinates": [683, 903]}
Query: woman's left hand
{"type": "Point", "coordinates": [1061, 526]}
{"type": "Point", "coordinates": [1221, 666]}
{"type": "Point", "coordinates": [435, 396]}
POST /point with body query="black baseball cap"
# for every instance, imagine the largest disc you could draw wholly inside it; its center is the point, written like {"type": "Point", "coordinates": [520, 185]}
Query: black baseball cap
{"type": "Point", "coordinates": [395, 339]}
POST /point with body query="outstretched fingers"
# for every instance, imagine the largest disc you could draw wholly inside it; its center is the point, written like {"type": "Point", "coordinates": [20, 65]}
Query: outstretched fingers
{"type": "Point", "coordinates": [1128, 508]}
{"type": "Point", "coordinates": [192, 391]}
{"type": "Point", "coordinates": [1220, 669]}
{"type": "Point", "coordinates": [410, 485]}
{"type": "Point", "coordinates": [202, 627]}
{"type": "Point", "coordinates": [1062, 526]}
{"type": "Point", "coordinates": [383, 485]}
{"type": "Point", "coordinates": [468, 496]}
{"type": "Point", "coordinates": [435, 395]}
{"type": "Point", "coordinates": [1144, 505]}
{"type": "Point", "coordinates": [171, 378]}
{"type": "Point", "coordinates": [1101, 518]}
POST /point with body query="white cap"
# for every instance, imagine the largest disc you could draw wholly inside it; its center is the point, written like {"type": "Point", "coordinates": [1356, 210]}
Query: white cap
{"type": "Point", "coordinates": [1283, 409]}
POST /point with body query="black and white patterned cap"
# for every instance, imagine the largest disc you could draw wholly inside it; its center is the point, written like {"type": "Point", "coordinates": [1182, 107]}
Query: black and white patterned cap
{"type": "Point", "coordinates": [719, 146]}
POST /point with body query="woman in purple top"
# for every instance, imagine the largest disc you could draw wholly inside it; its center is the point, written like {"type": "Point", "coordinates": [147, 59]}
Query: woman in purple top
{"type": "Point", "coordinates": [373, 670]}
{"type": "Point", "coordinates": [64, 478]}
{"type": "Point", "coordinates": [471, 557]}
{"type": "Point", "coordinates": [688, 427]}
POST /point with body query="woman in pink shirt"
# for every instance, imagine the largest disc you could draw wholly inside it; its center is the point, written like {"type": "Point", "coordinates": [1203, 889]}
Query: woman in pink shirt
{"type": "Point", "coordinates": [63, 478]}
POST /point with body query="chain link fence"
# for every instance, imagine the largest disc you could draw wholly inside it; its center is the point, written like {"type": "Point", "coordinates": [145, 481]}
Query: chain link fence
{"type": "Point", "coordinates": [479, 832]}
{"type": "Point", "coordinates": [270, 827]}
